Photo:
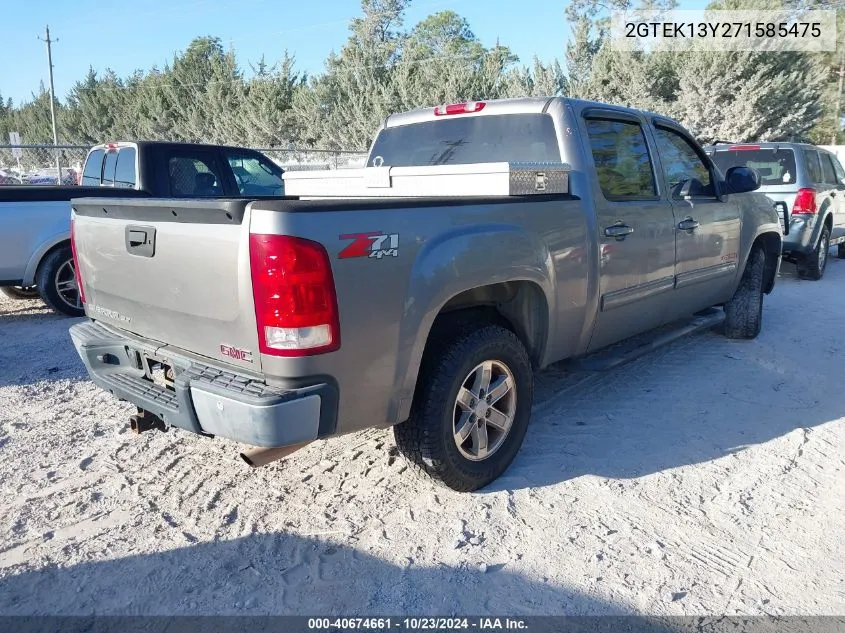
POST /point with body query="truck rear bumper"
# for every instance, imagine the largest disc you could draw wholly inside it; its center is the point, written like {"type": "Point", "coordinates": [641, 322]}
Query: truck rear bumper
{"type": "Point", "coordinates": [204, 399]}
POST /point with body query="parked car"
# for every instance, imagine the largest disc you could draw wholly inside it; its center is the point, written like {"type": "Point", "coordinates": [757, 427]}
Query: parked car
{"type": "Point", "coordinates": [8, 178]}
{"type": "Point", "coordinates": [35, 248]}
{"type": "Point", "coordinates": [422, 291]}
{"type": "Point", "coordinates": [807, 185]}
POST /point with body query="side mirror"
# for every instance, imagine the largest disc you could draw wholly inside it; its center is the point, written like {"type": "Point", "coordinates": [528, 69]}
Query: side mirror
{"type": "Point", "coordinates": [742, 180]}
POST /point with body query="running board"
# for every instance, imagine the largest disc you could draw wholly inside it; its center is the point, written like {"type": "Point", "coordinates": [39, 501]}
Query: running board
{"type": "Point", "coordinates": [633, 348]}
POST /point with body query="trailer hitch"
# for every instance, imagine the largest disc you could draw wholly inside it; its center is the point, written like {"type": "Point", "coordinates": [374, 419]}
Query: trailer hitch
{"type": "Point", "coordinates": [145, 421]}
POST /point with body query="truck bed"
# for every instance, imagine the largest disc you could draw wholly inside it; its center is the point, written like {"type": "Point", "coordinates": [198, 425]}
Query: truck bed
{"type": "Point", "coordinates": [53, 193]}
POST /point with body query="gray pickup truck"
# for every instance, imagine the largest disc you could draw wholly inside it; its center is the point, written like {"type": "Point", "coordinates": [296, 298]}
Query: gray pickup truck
{"type": "Point", "coordinates": [529, 231]}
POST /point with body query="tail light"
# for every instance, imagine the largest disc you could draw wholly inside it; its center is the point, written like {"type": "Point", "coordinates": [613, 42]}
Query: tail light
{"type": "Point", "coordinates": [459, 108]}
{"type": "Point", "coordinates": [294, 293]}
{"type": "Point", "coordinates": [805, 202]}
{"type": "Point", "coordinates": [77, 273]}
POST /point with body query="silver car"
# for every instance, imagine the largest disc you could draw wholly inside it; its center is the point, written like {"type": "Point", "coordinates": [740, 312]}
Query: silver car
{"type": "Point", "coordinates": [807, 185]}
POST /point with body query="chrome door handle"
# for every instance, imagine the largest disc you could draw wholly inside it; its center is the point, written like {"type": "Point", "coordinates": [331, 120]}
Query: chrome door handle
{"type": "Point", "coordinates": [618, 231]}
{"type": "Point", "coordinates": [688, 224]}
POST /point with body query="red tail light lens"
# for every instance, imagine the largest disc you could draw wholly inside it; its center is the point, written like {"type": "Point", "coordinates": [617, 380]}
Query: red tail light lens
{"type": "Point", "coordinates": [77, 273]}
{"type": "Point", "coordinates": [743, 148]}
{"type": "Point", "coordinates": [294, 293]}
{"type": "Point", "coordinates": [805, 202]}
{"type": "Point", "coordinates": [459, 108]}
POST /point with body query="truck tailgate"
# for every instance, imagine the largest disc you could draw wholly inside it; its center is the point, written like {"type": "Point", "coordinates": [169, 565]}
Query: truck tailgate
{"type": "Point", "coordinates": [175, 272]}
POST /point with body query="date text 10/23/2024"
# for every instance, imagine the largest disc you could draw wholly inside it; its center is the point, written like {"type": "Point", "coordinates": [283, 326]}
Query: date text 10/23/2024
{"type": "Point", "coordinates": [418, 624]}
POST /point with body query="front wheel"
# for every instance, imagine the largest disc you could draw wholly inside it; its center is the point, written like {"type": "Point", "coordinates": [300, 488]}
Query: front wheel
{"type": "Point", "coordinates": [744, 312]}
{"type": "Point", "coordinates": [20, 293]}
{"type": "Point", "coordinates": [56, 282]}
{"type": "Point", "coordinates": [840, 251]}
{"type": "Point", "coordinates": [471, 409]}
{"type": "Point", "coordinates": [813, 267]}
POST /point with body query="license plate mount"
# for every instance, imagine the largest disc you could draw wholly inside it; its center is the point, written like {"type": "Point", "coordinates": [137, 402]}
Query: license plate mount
{"type": "Point", "coordinates": [158, 371]}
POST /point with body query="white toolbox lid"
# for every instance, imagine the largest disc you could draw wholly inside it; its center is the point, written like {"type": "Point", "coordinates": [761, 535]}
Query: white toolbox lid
{"type": "Point", "coordinates": [476, 179]}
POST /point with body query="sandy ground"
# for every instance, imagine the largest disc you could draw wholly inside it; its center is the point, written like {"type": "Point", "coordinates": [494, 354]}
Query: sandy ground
{"type": "Point", "coordinates": [705, 478]}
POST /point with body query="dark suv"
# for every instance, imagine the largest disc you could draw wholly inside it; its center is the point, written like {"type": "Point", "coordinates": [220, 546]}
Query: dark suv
{"type": "Point", "coordinates": [807, 185]}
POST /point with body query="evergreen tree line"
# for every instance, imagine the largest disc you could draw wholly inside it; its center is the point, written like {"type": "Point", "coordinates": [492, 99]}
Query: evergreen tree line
{"type": "Point", "coordinates": [203, 95]}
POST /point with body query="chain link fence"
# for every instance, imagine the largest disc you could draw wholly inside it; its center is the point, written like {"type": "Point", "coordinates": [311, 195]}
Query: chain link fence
{"type": "Point", "coordinates": [36, 164]}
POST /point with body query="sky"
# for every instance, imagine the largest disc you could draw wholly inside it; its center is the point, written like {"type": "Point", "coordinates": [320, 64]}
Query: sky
{"type": "Point", "coordinates": [137, 35]}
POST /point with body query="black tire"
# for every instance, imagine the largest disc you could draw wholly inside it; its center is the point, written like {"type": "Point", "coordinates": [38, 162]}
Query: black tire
{"type": "Point", "coordinates": [17, 292]}
{"type": "Point", "coordinates": [815, 263]}
{"type": "Point", "coordinates": [840, 251]}
{"type": "Point", "coordinates": [57, 268]}
{"type": "Point", "coordinates": [427, 438]}
{"type": "Point", "coordinates": [744, 312]}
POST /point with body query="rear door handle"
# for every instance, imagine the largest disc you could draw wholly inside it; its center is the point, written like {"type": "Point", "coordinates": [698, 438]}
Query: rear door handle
{"type": "Point", "coordinates": [618, 231]}
{"type": "Point", "coordinates": [688, 224]}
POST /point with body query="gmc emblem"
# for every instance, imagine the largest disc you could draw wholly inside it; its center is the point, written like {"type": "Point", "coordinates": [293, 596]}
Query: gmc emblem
{"type": "Point", "coordinates": [237, 354]}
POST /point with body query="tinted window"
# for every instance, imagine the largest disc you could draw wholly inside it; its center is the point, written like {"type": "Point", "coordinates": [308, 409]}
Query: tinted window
{"type": "Point", "coordinates": [462, 140]}
{"type": "Point", "coordinates": [682, 164]}
{"type": "Point", "coordinates": [622, 160]}
{"type": "Point", "coordinates": [255, 175]}
{"type": "Point", "coordinates": [124, 173]}
{"type": "Point", "coordinates": [775, 166]}
{"type": "Point", "coordinates": [814, 168]}
{"type": "Point", "coordinates": [108, 167]}
{"type": "Point", "coordinates": [837, 168]}
{"type": "Point", "coordinates": [827, 168]}
{"type": "Point", "coordinates": [93, 168]}
{"type": "Point", "coordinates": [194, 177]}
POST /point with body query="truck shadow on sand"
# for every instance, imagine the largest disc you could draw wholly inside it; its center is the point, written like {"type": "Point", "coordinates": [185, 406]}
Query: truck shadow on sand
{"type": "Point", "coordinates": [283, 574]}
{"type": "Point", "coordinates": [694, 401]}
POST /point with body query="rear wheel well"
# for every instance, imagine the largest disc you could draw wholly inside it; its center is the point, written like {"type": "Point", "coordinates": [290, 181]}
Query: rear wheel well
{"type": "Point", "coordinates": [519, 306]}
{"type": "Point", "coordinates": [49, 251]}
{"type": "Point", "coordinates": [771, 245]}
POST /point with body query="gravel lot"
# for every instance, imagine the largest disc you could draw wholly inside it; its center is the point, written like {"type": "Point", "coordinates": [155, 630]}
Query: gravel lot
{"type": "Point", "coordinates": [705, 478]}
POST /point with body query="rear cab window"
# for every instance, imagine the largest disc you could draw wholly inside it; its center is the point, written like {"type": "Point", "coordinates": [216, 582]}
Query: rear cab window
{"type": "Point", "coordinates": [93, 170]}
{"type": "Point", "coordinates": [463, 140]}
{"type": "Point", "coordinates": [623, 164]}
{"type": "Point", "coordinates": [776, 165]}
{"type": "Point", "coordinates": [194, 176]}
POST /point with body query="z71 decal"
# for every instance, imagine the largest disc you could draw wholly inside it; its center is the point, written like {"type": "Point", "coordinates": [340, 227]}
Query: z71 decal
{"type": "Point", "coordinates": [373, 245]}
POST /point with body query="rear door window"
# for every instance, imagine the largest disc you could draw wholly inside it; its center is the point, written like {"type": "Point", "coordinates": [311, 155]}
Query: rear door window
{"type": "Point", "coordinates": [462, 140]}
{"type": "Point", "coordinates": [93, 168]}
{"type": "Point", "coordinates": [837, 168]}
{"type": "Point", "coordinates": [827, 168]}
{"type": "Point", "coordinates": [108, 168]}
{"type": "Point", "coordinates": [255, 175]}
{"type": "Point", "coordinates": [194, 176]}
{"type": "Point", "coordinates": [814, 168]}
{"type": "Point", "coordinates": [622, 160]}
{"type": "Point", "coordinates": [124, 173]}
{"type": "Point", "coordinates": [776, 166]}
